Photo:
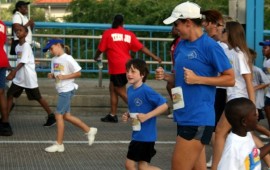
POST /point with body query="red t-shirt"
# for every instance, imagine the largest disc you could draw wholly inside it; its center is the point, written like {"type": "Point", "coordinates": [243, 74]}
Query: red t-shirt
{"type": "Point", "coordinates": [3, 37]}
{"type": "Point", "coordinates": [117, 44]}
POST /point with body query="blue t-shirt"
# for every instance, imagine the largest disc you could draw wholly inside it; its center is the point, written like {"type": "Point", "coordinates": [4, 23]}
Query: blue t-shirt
{"type": "Point", "coordinates": [143, 100]}
{"type": "Point", "coordinates": [205, 58]}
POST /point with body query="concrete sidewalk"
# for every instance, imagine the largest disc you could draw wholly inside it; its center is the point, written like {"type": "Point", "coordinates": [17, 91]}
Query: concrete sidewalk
{"type": "Point", "coordinates": [88, 97]}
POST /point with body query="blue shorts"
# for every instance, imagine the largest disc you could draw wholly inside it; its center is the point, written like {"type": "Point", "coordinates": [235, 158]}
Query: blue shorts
{"type": "Point", "coordinates": [64, 101]}
{"type": "Point", "coordinates": [3, 78]}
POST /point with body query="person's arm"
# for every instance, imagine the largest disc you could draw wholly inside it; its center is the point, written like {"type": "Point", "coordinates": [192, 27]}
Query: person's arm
{"type": "Point", "coordinates": [98, 53]}
{"type": "Point", "coordinates": [249, 86]}
{"type": "Point", "coordinates": [157, 111]}
{"type": "Point", "coordinates": [150, 54]}
{"type": "Point", "coordinates": [261, 86]}
{"type": "Point", "coordinates": [12, 73]}
{"type": "Point", "coordinates": [30, 24]}
{"type": "Point", "coordinates": [264, 150]}
{"type": "Point", "coordinates": [69, 76]}
{"type": "Point", "coordinates": [225, 79]}
{"type": "Point", "coordinates": [161, 75]}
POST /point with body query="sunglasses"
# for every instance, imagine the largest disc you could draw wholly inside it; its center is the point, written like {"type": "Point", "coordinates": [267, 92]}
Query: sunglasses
{"type": "Point", "coordinates": [220, 25]}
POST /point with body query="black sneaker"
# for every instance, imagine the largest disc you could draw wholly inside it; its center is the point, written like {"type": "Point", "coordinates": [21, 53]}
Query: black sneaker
{"type": "Point", "coordinates": [5, 129]}
{"type": "Point", "coordinates": [110, 118]}
{"type": "Point", "coordinates": [50, 120]}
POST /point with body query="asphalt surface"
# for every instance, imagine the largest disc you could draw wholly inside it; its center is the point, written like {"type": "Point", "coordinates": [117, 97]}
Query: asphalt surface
{"type": "Point", "coordinates": [25, 149]}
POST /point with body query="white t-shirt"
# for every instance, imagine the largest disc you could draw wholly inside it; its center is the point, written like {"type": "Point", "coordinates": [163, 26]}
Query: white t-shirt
{"type": "Point", "coordinates": [259, 78]}
{"type": "Point", "coordinates": [64, 65]}
{"type": "Point", "coordinates": [18, 18]}
{"type": "Point", "coordinates": [240, 153]}
{"type": "Point", "coordinates": [26, 76]}
{"type": "Point", "coordinates": [266, 69]}
{"type": "Point", "coordinates": [240, 66]}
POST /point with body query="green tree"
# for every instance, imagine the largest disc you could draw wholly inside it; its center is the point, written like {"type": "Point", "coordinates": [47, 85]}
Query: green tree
{"type": "Point", "coordinates": [143, 12]}
{"type": "Point", "coordinates": [37, 14]}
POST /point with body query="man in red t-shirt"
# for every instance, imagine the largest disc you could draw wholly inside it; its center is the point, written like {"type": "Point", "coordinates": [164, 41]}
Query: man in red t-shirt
{"type": "Point", "coordinates": [5, 129]}
{"type": "Point", "coordinates": [117, 43]}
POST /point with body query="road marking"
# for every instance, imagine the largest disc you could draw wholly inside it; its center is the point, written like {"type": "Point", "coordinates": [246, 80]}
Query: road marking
{"type": "Point", "coordinates": [80, 142]}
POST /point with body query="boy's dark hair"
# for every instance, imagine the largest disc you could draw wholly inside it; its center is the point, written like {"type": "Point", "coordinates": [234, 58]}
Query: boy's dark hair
{"type": "Point", "coordinates": [118, 21]}
{"type": "Point", "coordinates": [140, 65]}
{"type": "Point", "coordinates": [237, 109]}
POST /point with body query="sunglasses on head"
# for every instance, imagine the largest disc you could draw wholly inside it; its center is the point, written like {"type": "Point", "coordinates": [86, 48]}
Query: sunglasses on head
{"type": "Point", "coordinates": [220, 25]}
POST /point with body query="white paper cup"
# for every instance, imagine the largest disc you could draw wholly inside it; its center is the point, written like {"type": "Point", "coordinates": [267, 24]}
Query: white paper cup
{"type": "Point", "coordinates": [136, 124]}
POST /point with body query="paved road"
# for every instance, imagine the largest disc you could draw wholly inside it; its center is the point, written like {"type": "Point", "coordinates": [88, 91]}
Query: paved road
{"type": "Point", "coordinates": [25, 149]}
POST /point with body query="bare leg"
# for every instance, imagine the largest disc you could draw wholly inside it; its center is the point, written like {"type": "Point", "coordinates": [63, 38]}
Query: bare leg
{"type": "Point", "coordinates": [45, 105]}
{"type": "Point", "coordinates": [9, 104]}
{"type": "Point", "coordinates": [267, 113]}
{"type": "Point", "coordinates": [222, 129]}
{"type": "Point", "coordinates": [122, 92]}
{"type": "Point", "coordinates": [142, 165]}
{"type": "Point", "coordinates": [130, 165]}
{"type": "Point", "coordinates": [77, 122]}
{"type": "Point", "coordinates": [191, 149]}
{"type": "Point", "coordinates": [113, 99]}
{"type": "Point", "coordinates": [3, 105]}
{"type": "Point", "coordinates": [60, 128]}
{"type": "Point", "coordinates": [200, 163]}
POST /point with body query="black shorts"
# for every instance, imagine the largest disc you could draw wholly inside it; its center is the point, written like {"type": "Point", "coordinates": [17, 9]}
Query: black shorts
{"type": "Point", "coordinates": [16, 91]}
{"type": "Point", "coordinates": [267, 101]}
{"type": "Point", "coordinates": [141, 151]}
{"type": "Point", "coordinates": [118, 80]}
{"type": "Point", "coordinates": [261, 115]}
{"type": "Point", "coordinates": [202, 133]}
{"type": "Point", "coordinates": [220, 102]}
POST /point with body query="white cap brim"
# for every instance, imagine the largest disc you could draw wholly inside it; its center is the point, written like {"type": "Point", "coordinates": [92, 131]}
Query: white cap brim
{"type": "Point", "coordinates": [169, 20]}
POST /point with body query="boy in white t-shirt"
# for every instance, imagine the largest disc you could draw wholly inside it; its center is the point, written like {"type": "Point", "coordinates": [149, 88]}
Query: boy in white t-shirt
{"type": "Point", "coordinates": [240, 152]}
{"type": "Point", "coordinates": [24, 76]}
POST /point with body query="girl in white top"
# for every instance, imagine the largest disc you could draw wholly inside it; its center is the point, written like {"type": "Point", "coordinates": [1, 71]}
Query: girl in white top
{"type": "Point", "coordinates": [240, 58]}
{"type": "Point", "coordinates": [64, 69]}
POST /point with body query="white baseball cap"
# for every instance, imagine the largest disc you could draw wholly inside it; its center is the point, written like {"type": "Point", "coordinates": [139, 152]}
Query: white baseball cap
{"type": "Point", "coordinates": [183, 11]}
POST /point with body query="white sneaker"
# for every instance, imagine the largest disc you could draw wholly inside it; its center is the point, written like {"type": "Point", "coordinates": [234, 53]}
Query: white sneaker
{"type": "Point", "coordinates": [209, 163]}
{"type": "Point", "coordinates": [55, 148]}
{"type": "Point", "coordinates": [91, 135]}
{"type": "Point", "coordinates": [264, 137]}
{"type": "Point", "coordinates": [170, 116]}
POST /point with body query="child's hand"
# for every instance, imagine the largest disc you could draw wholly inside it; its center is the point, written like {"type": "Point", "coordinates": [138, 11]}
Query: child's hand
{"type": "Point", "coordinates": [160, 74]}
{"type": "Point", "coordinates": [50, 75]}
{"type": "Point", "coordinates": [125, 117]}
{"type": "Point", "coordinates": [11, 75]}
{"type": "Point", "coordinates": [60, 77]}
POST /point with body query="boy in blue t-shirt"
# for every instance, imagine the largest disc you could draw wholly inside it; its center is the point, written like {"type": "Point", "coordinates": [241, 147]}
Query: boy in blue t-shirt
{"type": "Point", "coordinates": [145, 104]}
